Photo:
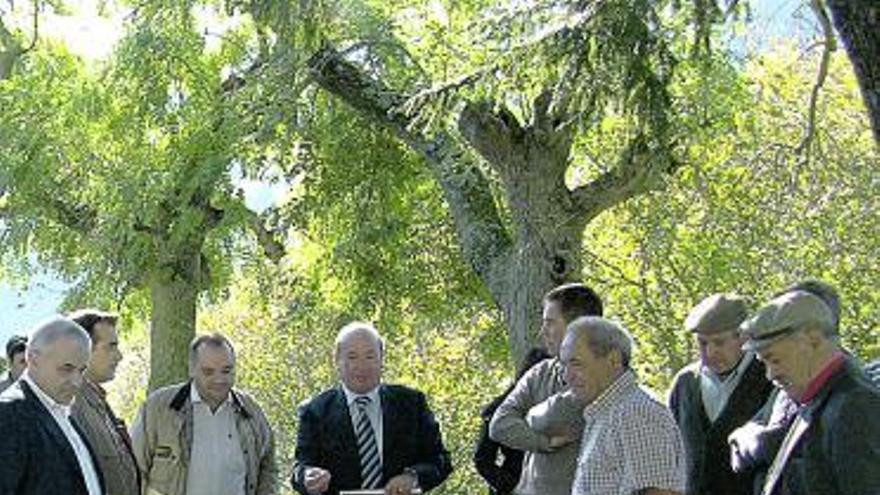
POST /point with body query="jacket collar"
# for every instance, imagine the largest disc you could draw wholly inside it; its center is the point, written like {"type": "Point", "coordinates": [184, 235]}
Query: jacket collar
{"type": "Point", "coordinates": [181, 399]}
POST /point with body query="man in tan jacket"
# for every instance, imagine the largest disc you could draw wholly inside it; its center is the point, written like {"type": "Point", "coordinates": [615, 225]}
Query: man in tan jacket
{"type": "Point", "coordinates": [90, 410]}
{"type": "Point", "coordinates": [203, 437]}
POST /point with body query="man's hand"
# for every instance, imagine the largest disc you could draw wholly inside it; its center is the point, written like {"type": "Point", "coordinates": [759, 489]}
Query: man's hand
{"type": "Point", "coordinates": [563, 439]}
{"type": "Point", "coordinates": [743, 446]}
{"type": "Point", "coordinates": [316, 480]}
{"type": "Point", "coordinates": [402, 484]}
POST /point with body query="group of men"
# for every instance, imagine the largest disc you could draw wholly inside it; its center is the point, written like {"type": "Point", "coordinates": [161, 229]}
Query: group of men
{"type": "Point", "coordinates": [580, 417]}
{"type": "Point", "coordinates": [59, 436]}
{"type": "Point", "coordinates": [774, 405]}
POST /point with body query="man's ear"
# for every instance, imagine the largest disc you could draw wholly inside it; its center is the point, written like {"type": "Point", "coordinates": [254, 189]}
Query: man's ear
{"type": "Point", "coordinates": [814, 335]}
{"type": "Point", "coordinates": [616, 358]}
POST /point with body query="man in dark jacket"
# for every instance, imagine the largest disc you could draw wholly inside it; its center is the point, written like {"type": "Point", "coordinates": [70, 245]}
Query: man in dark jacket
{"type": "Point", "coordinates": [714, 395]}
{"type": "Point", "coordinates": [363, 434]}
{"type": "Point", "coordinates": [833, 445]}
{"type": "Point", "coordinates": [15, 348]}
{"type": "Point", "coordinates": [43, 450]}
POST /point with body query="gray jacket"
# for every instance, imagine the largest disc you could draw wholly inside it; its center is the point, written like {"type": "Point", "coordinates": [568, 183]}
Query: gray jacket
{"type": "Point", "coordinates": [536, 409]}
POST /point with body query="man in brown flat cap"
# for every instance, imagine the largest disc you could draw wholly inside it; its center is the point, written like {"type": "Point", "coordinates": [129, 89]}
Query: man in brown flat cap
{"type": "Point", "coordinates": [716, 394]}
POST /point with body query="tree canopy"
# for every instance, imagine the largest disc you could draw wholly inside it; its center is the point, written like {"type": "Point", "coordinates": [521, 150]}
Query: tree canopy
{"type": "Point", "coordinates": [445, 164]}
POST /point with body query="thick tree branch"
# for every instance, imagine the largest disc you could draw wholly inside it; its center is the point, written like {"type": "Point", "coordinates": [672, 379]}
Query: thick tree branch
{"type": "Point", "coordinates": [506, 144]}
{"type": "Point", "coordinates": [269, 239]}
{"type": "Point", "coordinates": [495, 134]}
{"type": "Point", "coordinates": [478, 225]}
{"type": "Point", "coordinates": [637, 171]}
{"type": "Point", "coordinates": [858, 24]}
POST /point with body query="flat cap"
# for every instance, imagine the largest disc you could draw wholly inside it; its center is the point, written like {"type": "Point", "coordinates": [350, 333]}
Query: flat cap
{"type": "Point", "coordinates": [717, 313]}
{"type": "Point", "coordinates": [784, 315]}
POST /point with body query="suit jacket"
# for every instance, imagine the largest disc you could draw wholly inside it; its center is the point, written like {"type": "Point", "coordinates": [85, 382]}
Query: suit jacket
{"type": "Point", "coordinates": [411, 439]}
{"type": "Point", "coordinates": [839, 452]}
{"type": "Point", "coordinates": [708, 458]}
{"type": "Point", "coordinates": [37, 458]}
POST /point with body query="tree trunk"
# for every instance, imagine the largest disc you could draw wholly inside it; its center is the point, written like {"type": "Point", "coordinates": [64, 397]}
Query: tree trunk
{"type": "Point", "coordinates": [531, 273]}
{"type": "Point", "coordinates": [174, 295]}
{"type": "Point", "coordinates": [531, 161]}
{"type": "Point", "coordinates": [537, 246]}
{"type": "Point", "coordinates": [858, 24]}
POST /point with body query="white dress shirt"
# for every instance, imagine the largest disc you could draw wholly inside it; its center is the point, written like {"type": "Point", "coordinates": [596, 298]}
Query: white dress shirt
{"type": "Point", "coordinates": [61, 414]}
{"type": "Point", "coordinates": [217, 465]}
{"type": "Point", "coordinates": [374, 412]}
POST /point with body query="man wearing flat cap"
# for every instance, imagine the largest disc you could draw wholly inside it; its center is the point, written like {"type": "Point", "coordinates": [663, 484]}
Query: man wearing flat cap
{"type": "Point", "coordinates": [716, 394]}
{"type": "Point", "coordinates": [833, 445]}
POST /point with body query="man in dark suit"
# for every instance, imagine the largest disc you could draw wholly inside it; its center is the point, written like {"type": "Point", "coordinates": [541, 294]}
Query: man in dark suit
{"type": "Point", "coordinates": [43, 451]}
{"type": "Point", "coordinates": [366, 435]}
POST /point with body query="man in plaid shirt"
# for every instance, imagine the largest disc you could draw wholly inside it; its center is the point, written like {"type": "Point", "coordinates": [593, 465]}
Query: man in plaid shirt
{"type": "Point", "coordinates": [630, 444]}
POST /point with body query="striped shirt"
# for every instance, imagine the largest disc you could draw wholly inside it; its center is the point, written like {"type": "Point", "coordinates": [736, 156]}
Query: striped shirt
{"type": "Point", "coordinates": [630, 443]}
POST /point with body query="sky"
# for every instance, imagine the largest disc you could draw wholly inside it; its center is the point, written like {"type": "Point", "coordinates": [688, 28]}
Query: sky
{"type": "Point", "coordinates": [93, 36]}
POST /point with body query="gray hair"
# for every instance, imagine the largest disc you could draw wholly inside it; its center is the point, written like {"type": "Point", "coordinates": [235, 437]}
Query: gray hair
{"type": "Point", "coordinates": [603, 336]}
{"type": "Point", "coordinates": [357, 327]}
{"type": "Point", "coordinates": [51, 330]}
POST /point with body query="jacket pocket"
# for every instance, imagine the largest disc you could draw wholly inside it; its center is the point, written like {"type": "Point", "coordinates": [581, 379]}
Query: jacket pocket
{"type": "Point", "coordinates": [164, 474]}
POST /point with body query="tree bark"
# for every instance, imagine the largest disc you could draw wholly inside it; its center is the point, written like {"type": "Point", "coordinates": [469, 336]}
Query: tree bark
{"type": "Point", "coordinates": [174, 291]}
{"type": "Point", "coordinates": [858, 24]}
{"type": "Point", "coordinates": [538, 246]}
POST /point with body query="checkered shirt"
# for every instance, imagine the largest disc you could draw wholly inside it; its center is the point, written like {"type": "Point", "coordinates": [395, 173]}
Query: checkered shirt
{"type": "Point", "coordinates": [630, 443]}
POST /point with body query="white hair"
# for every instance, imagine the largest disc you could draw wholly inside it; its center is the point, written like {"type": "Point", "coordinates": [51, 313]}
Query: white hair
{"type": "Point", "coordinates": [603, 336]}
{"type": "Point", "coordinates": [357, 328]}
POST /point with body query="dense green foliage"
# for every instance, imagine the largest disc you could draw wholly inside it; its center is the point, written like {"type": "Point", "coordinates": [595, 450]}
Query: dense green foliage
{"type": "Point", "coordinates": [746, 218]}
{"type": "Point", "coordinates": [107, 172]}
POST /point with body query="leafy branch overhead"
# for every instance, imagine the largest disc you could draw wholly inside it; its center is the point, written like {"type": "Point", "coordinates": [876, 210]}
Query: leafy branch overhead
{"type": "Point", "coordinates": [538, 219]}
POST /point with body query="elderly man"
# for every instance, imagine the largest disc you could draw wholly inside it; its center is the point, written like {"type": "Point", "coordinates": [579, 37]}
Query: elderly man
{"type": "Point", "coordinates": [204, 437]}
{"type": "Point", "coordinates": [715, 395]}
{"type": "Point", "coordinates": [539, 416]}
{"type": "Point", "coordinates": [43, 451]}
{"type": "Point", "coordinates": [364, 434]}
{"type": "Point", "coordinates": [93, 414]}
{"type": "Point", "coordinates": [15, 348]}
{"type": "Point", "coordinates": [631, 444]}
{"type": "Point", "coordinates": [754, 445]}
{"type": "Point", "coordinates": [833, 445]}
